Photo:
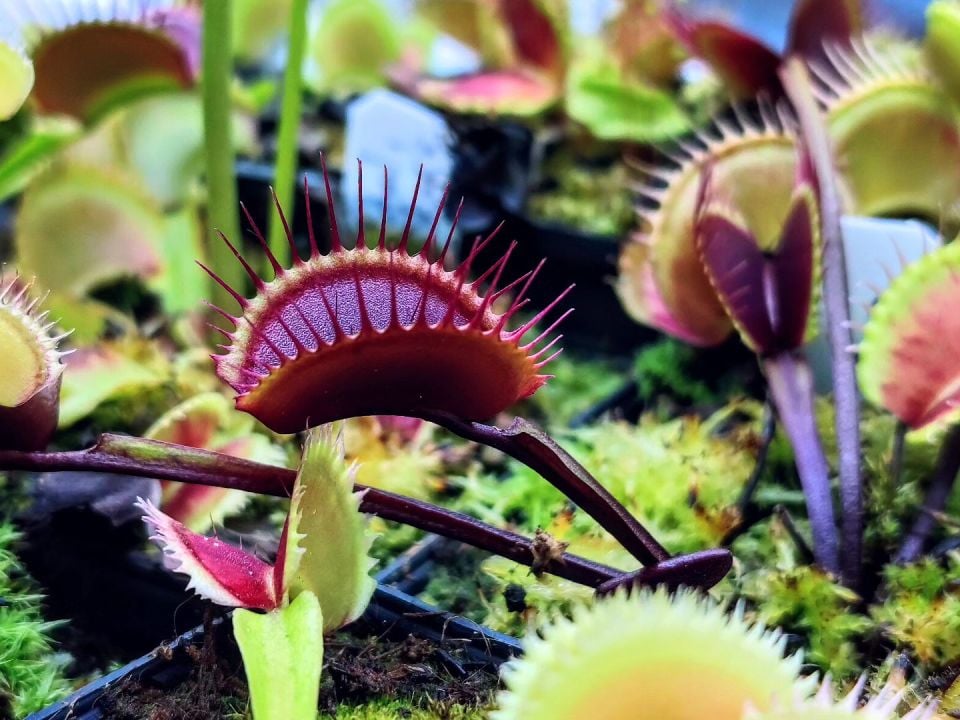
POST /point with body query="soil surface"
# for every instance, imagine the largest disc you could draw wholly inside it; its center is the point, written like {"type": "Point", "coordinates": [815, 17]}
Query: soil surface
{"type": "Point", "coordinates": [357, 670]}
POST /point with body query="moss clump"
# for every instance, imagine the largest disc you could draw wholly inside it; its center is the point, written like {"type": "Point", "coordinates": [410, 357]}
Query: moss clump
{"type": "Point", "coordinates": [674, 377]}
{"type": "Point", "coordinates": [595, 200]}
{"type": "Point", "coordinates": [681, 478]}
{"type": "Point", "coordinates": [892, 495]}
{"type": "Point", "coordinates": [665, 367]}
{"type": "Point", "coordinates": [31, 676]}
{"type": "Point", "coordinates": [922, 610]}
{"type": "Point", "coordinates": [807, 601]}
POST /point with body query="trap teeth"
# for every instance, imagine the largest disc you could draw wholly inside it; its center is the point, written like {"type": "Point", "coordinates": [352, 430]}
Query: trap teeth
{"type": "Point", "coordinates": [30, 369]}
{"type": "Point", "coordinates": [381, 331]}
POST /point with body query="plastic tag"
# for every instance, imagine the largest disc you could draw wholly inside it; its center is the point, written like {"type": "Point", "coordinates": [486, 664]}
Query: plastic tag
{"type": "Point", "coordinates": [387, 129]}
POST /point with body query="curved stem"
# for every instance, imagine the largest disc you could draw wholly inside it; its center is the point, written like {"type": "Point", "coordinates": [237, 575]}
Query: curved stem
{"type": "Point", "coordinates": [292, 103]}
{"type": "Point", "coordinates": [791, 388]}
{"type": "Point", "coordinates": [938, 492]}
{"type": "Point", "coordinates": [527, 443]}
{"type": "Point", "coordinates": [124, 455]}
{"type": "Point", "coordinates": [796, 81]}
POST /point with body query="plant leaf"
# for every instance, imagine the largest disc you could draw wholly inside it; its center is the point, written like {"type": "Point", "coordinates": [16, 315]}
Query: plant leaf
{"type": "Point", "coordinates": [628, 657]}
{"type": "Point", "coordinates": [614, 107]}
{"type": "Point", "coordinates": [882, 106]}
{"type": "Point", "coordinates": [740, 275]}
{"type": "Point", "coordinates": [816, 23]}
{"type": "Point", "coordinates": [641, 297]}
{"type": "Point", "coordinates": [282, 657]}
{"type": "Point", "coordinates": [105, 372]}
{"type": "Point", "coordinates": [80, 227]}
{"type": "Point", "coordinates": [16, 80]}
{"type": "Point", "coordinates": [767, 295]}
{"type": "Point", "coordinates": [942, 44]}
{"type": "Point", "coordinates": [495, 92]}
{"type": "Point", "coordinates": [86, 69]}
{"type": "Point", "coordinates": [29, 155]}
{"type": "Point", "coordinates": [354, 43]}
{"type": "Point", "coordinates": [910, 345]}
{"type": "Point", "coordinates": [745, 65]}
{"type": "Point", "coordinates": [324, 512]}
{"type": "Point", "coordinates": [218, 571]}
{"type": "Point", "coordinates": [796, 267]}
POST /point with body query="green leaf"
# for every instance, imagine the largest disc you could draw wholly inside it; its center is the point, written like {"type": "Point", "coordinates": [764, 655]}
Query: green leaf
{"type": "Point", "coordinates": [332, 533]}
{"type": "Point", "coordinates": [616, 108]}
{"type": "Point", "coordinates": [354, 43]}
{"type": "Point", "coordinates": [106, 372]}
{"type": "Point", "coordinates": [942, 43]}
{"type": "Point", "coordinates": [27, 156]}
{"type": "Point", "coordinates": [283, 657]}
{"type": "Point", "coordinates": [16, 80]}
{"type": "Point", "coordinates": [180, 287]}
{"type": "Point", "coordinates": [81, 227]}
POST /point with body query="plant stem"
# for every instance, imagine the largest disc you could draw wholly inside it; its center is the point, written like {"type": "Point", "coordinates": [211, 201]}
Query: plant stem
{"type": "Point", "coordinates": [767, 435]}
{"type": "Point", "coordinates": [786, 519]}
{"type": "Point", "coordinates": [292, 102]}
{"type": "Point", "coordinates": [748, 512]}
{"type": "Point", "coordinates": [791, 389]}
{"type": "Point", "coordinates": [938, 492]}
{"type": "Point", "coordinates": [124, 455]}
{"type": "Point", "coordinates": [222, 204]}
{"type": "Point", "coordinates": [896, 457]}
{"type": "Point", "coordinates": [700, 569]}
{"type": "Point", "coordinates": [527, 443]}
{"type": "Point", "coordinates": [797, 83]}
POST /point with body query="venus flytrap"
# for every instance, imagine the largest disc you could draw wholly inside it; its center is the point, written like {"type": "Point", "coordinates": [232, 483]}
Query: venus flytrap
{"type": "Point", "coordinates": [16, 79]}
{"type": "Point", "coordinates": [648, 658]}
{"type": "Point", "coordinates": [346, 333]}
{"type": "Point", "coordinates": [30, 369]}
{"type": "Point", "coordinates": [767, 286]}
{"type": "Point", "coordinates": [683, 657]}
{"type": "Point", "coordinates": [293, 355]}
{"type": "Point", "coordinates": [907, 365]}
{"type": "Point", "coordinates": [209, 421]}
{"type": "Point", "coordinates": [90, 56]}
{"type": "Point", "coordinates": [319, 582]}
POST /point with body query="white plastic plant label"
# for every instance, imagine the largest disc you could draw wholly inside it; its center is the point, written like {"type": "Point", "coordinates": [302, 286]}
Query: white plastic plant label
{"type": "Point", "coordinates": [387, 129]}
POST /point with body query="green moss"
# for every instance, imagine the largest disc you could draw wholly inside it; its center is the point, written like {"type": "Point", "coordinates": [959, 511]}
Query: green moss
{"type": "Point", "coordinates": [806, 601]}
{"type": "Point", "coordinates": [588, 199]}
{"type": "Point", "coordinates": [673, 377]}
{"type": "Point", "coordinates": [682, 478]}
{"type": "Point", "coordinates": [921, 612]}
{"type": "Point", "coordinates": [31, 675]}
{"type": "Point", "coordinates": [665, 367]}
{"type": "Point", "coordinates": [576, 386]}
{"type": "Point", "coordinates": [891, 500]}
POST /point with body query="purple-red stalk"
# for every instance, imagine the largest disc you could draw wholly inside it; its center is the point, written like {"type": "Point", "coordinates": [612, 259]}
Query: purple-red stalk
{"type": "Point", "coordinates": [165, 461]}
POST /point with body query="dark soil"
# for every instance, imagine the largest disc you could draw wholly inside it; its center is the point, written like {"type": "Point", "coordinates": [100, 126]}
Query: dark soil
{"type": "Point", "coordinates": [357, 670]}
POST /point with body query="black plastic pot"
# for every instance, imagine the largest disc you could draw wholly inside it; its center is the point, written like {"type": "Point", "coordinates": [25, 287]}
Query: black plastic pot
{"type": "Point", "coordinates": [391, 613]}
{"type": "Point", "coordinates": [599, 323]}
{"type": "Point", "coordinates": [122, 602]}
